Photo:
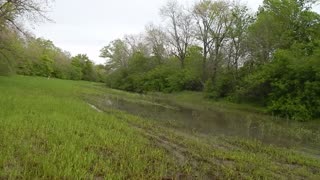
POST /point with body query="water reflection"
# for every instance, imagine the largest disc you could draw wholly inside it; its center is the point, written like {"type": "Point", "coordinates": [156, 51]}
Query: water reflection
{"type": "Point", "coordinates": [218, 122]}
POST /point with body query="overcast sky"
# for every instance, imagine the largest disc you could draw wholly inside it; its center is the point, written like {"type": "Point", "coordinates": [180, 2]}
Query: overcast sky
{"type": "Point", "coordinates": [85, 26]}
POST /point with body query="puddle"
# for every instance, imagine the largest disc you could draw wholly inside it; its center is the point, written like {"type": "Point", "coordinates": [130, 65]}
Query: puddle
{"type": "Point", "coordinates": [218, 122]}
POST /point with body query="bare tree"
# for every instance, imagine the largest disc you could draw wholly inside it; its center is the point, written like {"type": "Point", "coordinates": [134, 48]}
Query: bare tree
{"type": "Point", "coordinates": [204, 17]}
{"type": "Point", "coordinates": [219, 31]}
{"type": "Point", "coordinates": [213, 19]}
{"type": "Point", "coordinates": [13, 12]}
{"type": "Point", "coordinates": [137, 43]}
{"type": "Point", "coordinates": [179, 28]}
{"type": "Point", "coordinates": [156, 39]}
{"type": "Point", "coordinates": [240, 22]}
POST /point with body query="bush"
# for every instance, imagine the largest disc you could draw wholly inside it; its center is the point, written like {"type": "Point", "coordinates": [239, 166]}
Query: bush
{"type": "Point", "coordinates": [222, 86]}
{"type": "Point", "coordinates": [157, 79]}
{"type": "Point", "coordinates": [289, 85]}
{"type": "Point", "coordinates": [290, 107]}
{"type": "Point", "coordinates": [5, 68]}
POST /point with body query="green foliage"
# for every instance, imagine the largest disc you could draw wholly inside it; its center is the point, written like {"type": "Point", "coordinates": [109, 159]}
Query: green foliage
{"type": "Point", "coordinates": [222, 86]}
{"type": "Point", "coordinates": [156, 79]}
{"type": "Point", "coordinates": [76, 69]}
{"type": "Point", "coordinates": [209, 89]}
{"type": "Point", "coordinates": [88, 71]}
{"type": "Point", "coordinates": [282, 74]}
{"type": "Point", "coordinates": [287, 86]}
{"type": "Point", "coordinates": [141, 77]}
{"type": "Point", "coordinates": [24, 67]}
{"type": "Point", "coordinates": [40, 57]}
{"type": "Point", "coordinates": [10, 50]}
{"type": "Point", "coordinates": [183, 80]}
{"type": "Point", "coordinates": [82, 68]}
{"type": "Point", "coordinates": [5, 68]}
{"type": "Point", "coordinates": [295, 86]}
{"type": "Point", "coordinates": [101, 73]}
{"type": "Point", "coordinates": [117, 54]}
{"type": "Point", "coordinates": [165, 79]}
{"type": "Point", "coordinates": [61, 71]}
{"type": "Point", "coordinates": [43, 67]}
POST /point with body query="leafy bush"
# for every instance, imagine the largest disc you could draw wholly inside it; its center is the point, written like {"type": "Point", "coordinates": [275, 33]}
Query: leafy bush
{"type": "Point", "coordinates": [289, 85]}
{"type": "Point", "coordinates": [222, 86]}
{"type": "Point", "coordinates": [5, 68]}
{"type": "Point", "coordinates": [157, 79]}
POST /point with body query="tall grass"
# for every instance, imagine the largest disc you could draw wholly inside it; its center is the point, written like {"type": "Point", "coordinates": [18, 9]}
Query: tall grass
{"type": "Point", "coordinates": [47, 131]}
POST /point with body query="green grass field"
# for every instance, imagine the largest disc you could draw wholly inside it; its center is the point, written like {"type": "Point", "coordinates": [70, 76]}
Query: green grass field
{"type": "Point", "coordinates": [49, 131]}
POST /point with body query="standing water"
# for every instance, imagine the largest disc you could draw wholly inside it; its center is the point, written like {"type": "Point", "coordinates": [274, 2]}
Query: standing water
{"type": "Point", "coordinates": [221, 122]}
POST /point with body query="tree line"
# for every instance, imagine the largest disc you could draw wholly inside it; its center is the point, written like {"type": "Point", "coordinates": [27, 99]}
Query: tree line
{"type": "Point", "coordinates": [269, 58]}
{"type": "Point", "coordinates": [23, 53]}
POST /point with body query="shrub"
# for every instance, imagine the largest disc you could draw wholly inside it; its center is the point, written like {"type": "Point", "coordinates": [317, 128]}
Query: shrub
{"type": "Point", "coordinates": [5, 68]}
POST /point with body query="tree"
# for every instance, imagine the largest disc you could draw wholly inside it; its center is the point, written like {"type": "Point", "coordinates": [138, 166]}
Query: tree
{"type": "Point", "coordinates": [204, 16]}
{"type": "Point", "coordinates": [117, 54]}
{"type": "Point", "coordinates": [101, 73]}
{"type": "Point", "coordinates": [238, 34]}
{"type": "Point", "coordinates": [62, 64]}
{"type": "Point", "coordinates": [77, 66]}
{"type": "Point", "coordinates": [280, 24]}
{"type": "Point", "coordinates": [137, 43]}
{"type": "Point", "coordinates": [179, 29]}
{"type": "Point", "coordinates": [214, 20]}
{"type": "Point", "coordinates": [88, 71]}
{"type": "Point", "coordinates": [12, 11]}
{"type": "Point", "coordinates": [11, 48]}
{"type": "Point", "coordinates": [12, 14]}
{"type": "Point", "coordinates": [156, 39]}
{"type": "Point", "coordinates": [83, 68]}
{"type": "Point", "coordinates": [219, 32]}
{"type": "Point", "coordinates": [270, 59]}
{"type": "Point", "coordinates": [283, 70]}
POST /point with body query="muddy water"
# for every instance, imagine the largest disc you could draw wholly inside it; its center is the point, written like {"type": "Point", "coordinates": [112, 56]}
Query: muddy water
{"type": "Point", "coordinates": [219, 122]}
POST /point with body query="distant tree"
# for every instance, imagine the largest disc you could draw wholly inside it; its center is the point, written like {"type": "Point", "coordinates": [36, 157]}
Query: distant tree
{"type": "Point", "coordinates": [137, 43]}
{"type": "Point", "coordinates": [179, 29]}
{"type": "Point", "coordinates": [238, 34]}
{"type": "Point", "coordinates": [45, 66]}
{"type": "Point", "coordinates": [116, 53]}
{"type": "Point", "coordinates": [89, 73]}
{"type": "Point", "coordinates": [214, 21]}
{"type": "Point", "coordinates": [62, 64]}
{"type": "Point", "coordinates": [204, 17]}
{"type": "Point", "coordinates": [101, 73]}
{"type": "Point", "coordinates": [77, 64]}
{"type": "Point", "coordinates": [83, 68]}
{"type": "Point", "coordinates": [156, 39]}
{"type": "Point", "coordinates": [219, 32]}
{"type": "Point", "coordinates": [11, 48]}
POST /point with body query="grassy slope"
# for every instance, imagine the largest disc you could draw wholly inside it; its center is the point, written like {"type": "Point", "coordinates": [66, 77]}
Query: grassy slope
{"type": "Point", "coordinates": [48, 131]}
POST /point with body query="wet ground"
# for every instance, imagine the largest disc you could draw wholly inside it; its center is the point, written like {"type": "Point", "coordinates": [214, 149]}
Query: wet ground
{"type": "Point", "coordinates": [211, 137]}
{"type": "Point", "coordinates": [211, 121]}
